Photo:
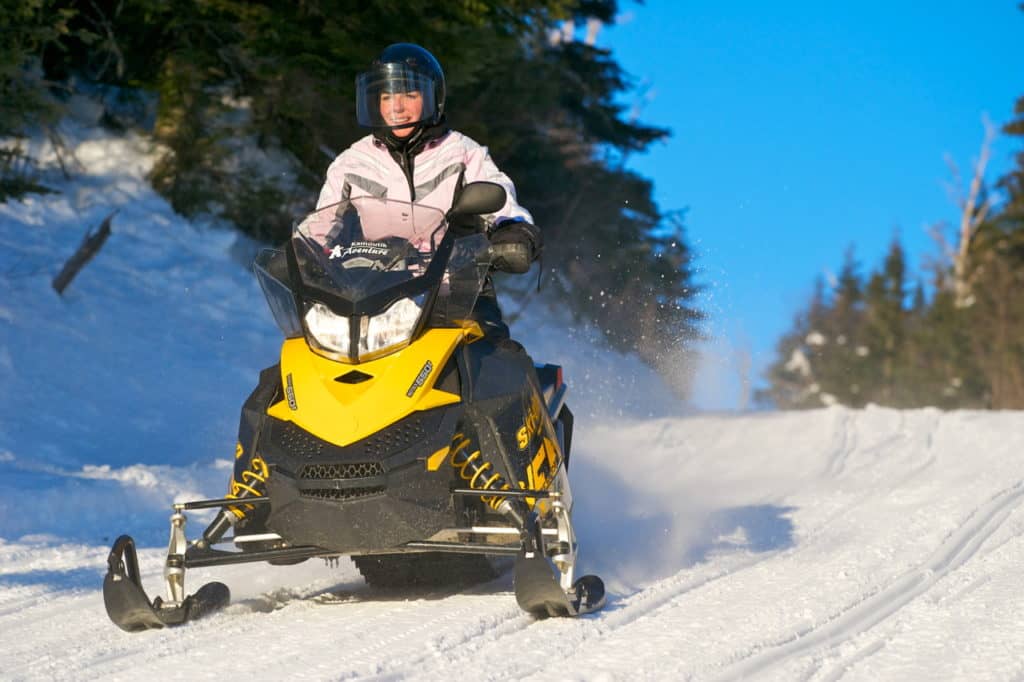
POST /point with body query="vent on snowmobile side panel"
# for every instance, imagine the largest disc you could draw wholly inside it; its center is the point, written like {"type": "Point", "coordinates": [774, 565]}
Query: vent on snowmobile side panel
{"type": "Point", "coordinates": [449, 380]}
{"type": "Point", "coordinates": [320, 472]}
{"type": "Point", "coordinates": [299, 442]}
{"type": "Point", "coordinates": [397, 438]}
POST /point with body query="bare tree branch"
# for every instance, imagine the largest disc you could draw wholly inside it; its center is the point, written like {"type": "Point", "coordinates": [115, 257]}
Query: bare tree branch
{"type": "Point", "coordinates": [86, 250]}
{"type": "Point", "coordinates": [113, 50]}
{"type": "Point", "coordinates": [972, 215]}
{"type": "Point", "coordinates": [937, 232]}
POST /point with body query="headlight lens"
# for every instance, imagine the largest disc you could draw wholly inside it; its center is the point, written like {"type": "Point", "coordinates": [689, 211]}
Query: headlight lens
{"type": "Point", "coordinates": [392, 327]}
{"type": "Point", "coordinates": [329, 331]}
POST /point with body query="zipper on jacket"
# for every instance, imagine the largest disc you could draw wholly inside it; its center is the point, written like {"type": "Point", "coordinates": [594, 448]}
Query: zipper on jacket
{"type": "Point", "coordinates": [404, 160]}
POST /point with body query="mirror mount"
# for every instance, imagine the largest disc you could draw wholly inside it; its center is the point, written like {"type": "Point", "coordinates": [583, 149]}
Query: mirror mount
{"type": "Point", "coordinates": [478, 198]}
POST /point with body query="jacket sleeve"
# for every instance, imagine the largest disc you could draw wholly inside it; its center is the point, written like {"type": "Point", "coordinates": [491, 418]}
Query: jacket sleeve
{"type": "Point", "coordinates": [480, 166]}
{"type": "Point", "coordinates": [334, 189]}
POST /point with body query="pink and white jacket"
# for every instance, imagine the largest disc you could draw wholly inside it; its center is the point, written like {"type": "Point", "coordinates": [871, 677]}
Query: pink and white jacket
{"type": "Point", "coordinates": [367, 168]}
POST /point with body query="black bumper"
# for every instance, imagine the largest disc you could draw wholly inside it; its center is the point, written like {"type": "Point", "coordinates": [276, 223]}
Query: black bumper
{"type": "Point", "coordinates": [370, 496]}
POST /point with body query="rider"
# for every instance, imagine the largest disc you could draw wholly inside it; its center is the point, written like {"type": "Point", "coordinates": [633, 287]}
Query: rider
{"type": "Point", "coordinates": [413, 156]}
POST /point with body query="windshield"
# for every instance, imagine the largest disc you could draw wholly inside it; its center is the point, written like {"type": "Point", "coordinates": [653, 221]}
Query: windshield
{"type": "Point", "coordinates": [370, 272]}
{"type": "Point", "coordinates": [370, 218]}
{"type": "Point", "coordinates": [361, 247]}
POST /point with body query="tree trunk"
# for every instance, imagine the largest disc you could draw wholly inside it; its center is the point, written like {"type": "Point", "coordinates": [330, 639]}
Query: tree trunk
{"type": "Point", "coordinates": [971, 216]}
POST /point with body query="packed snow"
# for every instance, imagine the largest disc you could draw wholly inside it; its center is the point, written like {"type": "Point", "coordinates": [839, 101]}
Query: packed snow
{"type": "Point", "coordinates": [823, 545]}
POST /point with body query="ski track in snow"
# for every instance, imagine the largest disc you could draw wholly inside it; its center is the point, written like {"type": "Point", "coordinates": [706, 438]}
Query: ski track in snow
{"type": "Point", "coordinates": [862, 616]}
{"type": "Point", "coordinates": [524, 634]}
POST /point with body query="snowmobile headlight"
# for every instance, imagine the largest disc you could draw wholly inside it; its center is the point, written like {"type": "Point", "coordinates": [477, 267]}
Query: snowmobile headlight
{"type": "Point", "coordinates": [330, 331]}
{"type": "Point", "coordinates": [392, 327]}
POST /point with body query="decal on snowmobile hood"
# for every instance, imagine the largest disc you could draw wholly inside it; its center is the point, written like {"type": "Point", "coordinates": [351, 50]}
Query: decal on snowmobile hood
{"type": "Point", "coordinates": [421, 378]}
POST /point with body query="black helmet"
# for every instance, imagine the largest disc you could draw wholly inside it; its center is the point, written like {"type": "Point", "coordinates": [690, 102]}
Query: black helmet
{"type": "Point", "coordinates": [400, 68]}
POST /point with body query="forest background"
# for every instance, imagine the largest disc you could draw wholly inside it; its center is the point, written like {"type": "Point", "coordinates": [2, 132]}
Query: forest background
{"type": "Point", "coordinates": [247, 102]}
{"type": "Point", "coordinates": [949, 333]}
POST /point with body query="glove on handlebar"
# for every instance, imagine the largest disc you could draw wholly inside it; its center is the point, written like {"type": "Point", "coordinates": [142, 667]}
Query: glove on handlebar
{"type": "Point", "coordinates": [514, 246]}
{"type": "Point", "coordinates": [513, 257]}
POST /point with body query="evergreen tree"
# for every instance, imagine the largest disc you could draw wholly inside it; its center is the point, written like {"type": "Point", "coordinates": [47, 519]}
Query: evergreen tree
{"type": "Point", "coordinates": [840, 355]}
{"type": "Point", "coordinates": [257, 97]}
{"type": "Point", "coordinates": [996, 316]}
{"type": "Point", "coordinates": [27, 27]}
{"type": "Point", "coordinates": [962, 348]}
{"type": "Point", "coordinates": [884, 323]}
{"type": "Point", "coordinates": [941, 368]}
{"type": "Point", "coordinates": [792, 380]}
{"type": "Point", "coordinates": [996, 313]}
{"type": "Point", "coordinates": [1013, 182]}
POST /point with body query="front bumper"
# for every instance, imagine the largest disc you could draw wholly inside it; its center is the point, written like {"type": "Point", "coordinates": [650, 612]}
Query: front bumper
{"type": "Point", "coordinates": [367, 497]}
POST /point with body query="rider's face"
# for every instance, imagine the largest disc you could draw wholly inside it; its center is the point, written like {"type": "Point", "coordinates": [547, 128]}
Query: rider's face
{"type": "Point", "coordinates": [401, 107]}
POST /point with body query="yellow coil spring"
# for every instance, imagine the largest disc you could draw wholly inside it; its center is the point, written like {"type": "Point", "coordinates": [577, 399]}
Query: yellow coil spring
{"type": "Point", "coordinates": [473, 469]}
{"type": "Point", "coordinates": [251, 484]}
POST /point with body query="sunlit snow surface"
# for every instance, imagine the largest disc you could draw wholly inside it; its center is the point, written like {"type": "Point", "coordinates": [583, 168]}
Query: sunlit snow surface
{"type": "Point", "coordinates": [861, 545]}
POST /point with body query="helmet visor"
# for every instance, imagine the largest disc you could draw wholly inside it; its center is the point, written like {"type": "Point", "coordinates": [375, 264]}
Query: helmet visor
{"type": "Point", "coordinates": [394, 96]}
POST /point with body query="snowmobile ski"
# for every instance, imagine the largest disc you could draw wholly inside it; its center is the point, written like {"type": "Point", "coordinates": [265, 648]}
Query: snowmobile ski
{"type": "Point", "coordinates": [540, 579]}
{"type": "Point", "coordinates": [129, 607]}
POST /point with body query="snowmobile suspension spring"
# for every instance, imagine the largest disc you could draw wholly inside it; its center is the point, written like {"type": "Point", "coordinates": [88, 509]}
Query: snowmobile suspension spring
{"type": "Point", "coordinates": [252, 484]}
{"type": "Point", "coordinates": [479, 473]}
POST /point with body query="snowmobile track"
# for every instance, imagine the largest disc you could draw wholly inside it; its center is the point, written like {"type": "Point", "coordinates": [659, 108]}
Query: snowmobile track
{"type": "Point", "coordinates": [860, 617]}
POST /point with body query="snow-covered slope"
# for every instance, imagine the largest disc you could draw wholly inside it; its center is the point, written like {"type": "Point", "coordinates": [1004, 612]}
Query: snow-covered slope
{"type": "Point", "coordinates": [863, 545]}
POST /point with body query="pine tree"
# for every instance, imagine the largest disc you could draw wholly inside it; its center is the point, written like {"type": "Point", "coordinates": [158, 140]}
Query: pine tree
{"type": "Point", "coordinates": [941, 367]}
{"type": "Point", "coordinates": [27, 28]}
{"type": "Point", "coordinates": [885, 320]}
{"type": "Point", "coordinates": [996, 314]}
{"type": "Point", "coordinates": [842, 359]}
{"type": "Point", "coordinates": [793, 381]}
{"type": "Point", "coordinates": [242, 81]}
{"type": "Point", "coordinates": [1013, 182]}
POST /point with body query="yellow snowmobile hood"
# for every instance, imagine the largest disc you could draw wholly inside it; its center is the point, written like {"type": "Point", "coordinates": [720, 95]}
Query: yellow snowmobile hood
{"type": "Point", "coordinates": [326, 399]}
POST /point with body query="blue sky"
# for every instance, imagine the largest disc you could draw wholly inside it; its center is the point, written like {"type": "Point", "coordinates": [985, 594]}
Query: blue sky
{"type": "Point", "coordinates": [799, 128]}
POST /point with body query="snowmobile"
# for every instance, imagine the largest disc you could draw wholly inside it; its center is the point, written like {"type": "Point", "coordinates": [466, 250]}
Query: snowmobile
{"type": "Point", "coordinates": [392, 430]}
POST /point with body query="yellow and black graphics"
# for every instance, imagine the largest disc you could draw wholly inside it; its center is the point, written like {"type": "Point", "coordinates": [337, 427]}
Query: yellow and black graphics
{"type": "Point", "coordinates": [249, 479]}
{"type": "Point", "coordinates": [530, 446]}
{"type": "Point", "coordinates": [536, 439]}
{"type": "Point", "coordinates": [343, 404]}
{"type": "Point", "coordinates": [250, 473]}
{"type": "Point", "coordinates": [525, 446]}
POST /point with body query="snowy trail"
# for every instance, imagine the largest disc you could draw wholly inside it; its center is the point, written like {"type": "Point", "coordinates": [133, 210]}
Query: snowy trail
{"type": "Point", "coordinates": [904, 524]}
{"type": "Point", "coordinates": [961, 547]}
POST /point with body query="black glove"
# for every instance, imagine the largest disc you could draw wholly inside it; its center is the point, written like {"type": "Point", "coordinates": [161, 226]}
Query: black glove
{"type": "Point", "coordinates": [514, 245]}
